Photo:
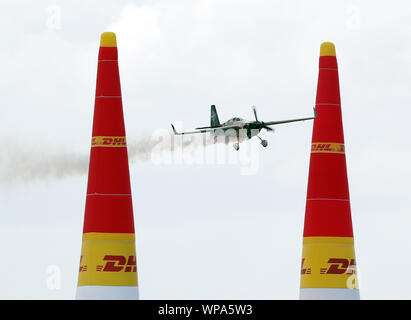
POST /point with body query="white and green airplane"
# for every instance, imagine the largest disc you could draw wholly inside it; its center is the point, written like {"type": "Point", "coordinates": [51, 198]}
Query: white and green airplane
{"type": "Point", "coordinates": [237, 127]}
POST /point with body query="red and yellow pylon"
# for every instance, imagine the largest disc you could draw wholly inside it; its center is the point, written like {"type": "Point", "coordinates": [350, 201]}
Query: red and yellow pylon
{"type": "Point", "coordinates": [328, 268]}
{"type": "Point", "coordinates": [108, 268]}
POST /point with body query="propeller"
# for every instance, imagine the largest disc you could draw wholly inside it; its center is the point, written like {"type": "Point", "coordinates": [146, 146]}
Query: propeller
{"type": "Point", "coordinates": [255, 113]}
{"type": "Point", "coordinates": [258, 124]}
{"type": "Point", "coordinates": [269, 129]}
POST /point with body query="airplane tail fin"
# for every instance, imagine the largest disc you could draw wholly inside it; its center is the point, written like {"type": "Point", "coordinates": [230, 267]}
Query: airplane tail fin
{"type": "Point", "coordinates": [214, 121]}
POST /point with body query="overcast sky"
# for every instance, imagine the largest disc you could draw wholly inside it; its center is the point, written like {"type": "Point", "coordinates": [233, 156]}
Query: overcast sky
{"type": "Point", "coordinates": [230, 230]}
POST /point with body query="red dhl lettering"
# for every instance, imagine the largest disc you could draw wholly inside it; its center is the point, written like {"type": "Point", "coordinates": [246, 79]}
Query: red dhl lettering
{"type": "Point", "coordinates": [107, 141]}
{"type": "Point", "coordinates": [82, 268]}
{"type": "Point", "coordinates": [114, 264]}
{"type": "Point", "coordinates": [321, 147]}
{"type": "Point", "coordinates": [304, 270]}
{"type": "Point", "coordinates": [337, 266]}
{"type": "Point", "coordinates": [119, 141]}
{"type": "Point", "coordinates": [118, 263]}
{"type": "Point", "coordinates": [328, 147]}
{"type": "Point", "coordinates": [101, 141]}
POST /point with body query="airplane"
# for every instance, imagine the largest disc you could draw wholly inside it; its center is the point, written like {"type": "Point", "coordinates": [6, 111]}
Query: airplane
{"type": "Point", "coordinates": [237, 127]}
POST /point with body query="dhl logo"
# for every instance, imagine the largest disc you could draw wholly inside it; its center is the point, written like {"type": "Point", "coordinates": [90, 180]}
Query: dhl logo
{"type": "Point", "coordinates": [339, 266]}
{"type": "Point", "coordinates": [101, 141]}
{"type": "Point", "coordinates": [118, 263]}
{"type": "Point", "coordinates": [325, 147]}
{"type": "Point", "coordinates": [115, 264]}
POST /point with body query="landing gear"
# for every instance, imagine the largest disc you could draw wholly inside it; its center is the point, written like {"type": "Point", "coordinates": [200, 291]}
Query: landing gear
{"type": "Point", "coordinates": [264, 143]}
{"type": "Point", "coordinates": [237, 144]}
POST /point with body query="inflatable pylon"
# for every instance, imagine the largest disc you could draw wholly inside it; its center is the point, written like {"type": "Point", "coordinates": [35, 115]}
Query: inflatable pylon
{"type": "Point", "coordinates": [108, 267]}
{"type": "Point", "coordinates": [328, 269]}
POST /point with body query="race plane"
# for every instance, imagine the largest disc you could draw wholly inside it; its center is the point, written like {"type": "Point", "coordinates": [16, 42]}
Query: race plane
{"type": "Point", "coordinates": [237, 127]}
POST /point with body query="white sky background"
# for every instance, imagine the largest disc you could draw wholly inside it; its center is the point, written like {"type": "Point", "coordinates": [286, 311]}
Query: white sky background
{"type": "Point", "coordinates": [204, 231]}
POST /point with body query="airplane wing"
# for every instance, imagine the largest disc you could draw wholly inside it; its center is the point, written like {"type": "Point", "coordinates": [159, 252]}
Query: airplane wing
{"type": "Point", "coordinates": [206, 129]}
{"type": "Point", "coordinates": [271, 123]}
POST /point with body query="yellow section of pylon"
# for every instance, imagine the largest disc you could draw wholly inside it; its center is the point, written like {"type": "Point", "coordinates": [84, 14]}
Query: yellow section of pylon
{"type": "Point", "coordinates": [327, 49]}
{"type": "Point", "coordinates": [328, 262]}
{"type": "Point", "coordinates": [108, 259]}
{"type": "Point", "coordinates": [108, 39]}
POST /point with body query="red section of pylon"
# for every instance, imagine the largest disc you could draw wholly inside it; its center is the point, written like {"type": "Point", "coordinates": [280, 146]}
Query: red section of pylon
{"type": "Point", "coordinates": [109, 203]}
{"type": "Point", "coordinates": [109, 214]}
{"type": "Point", "coordinates": [328, 210]}
{"type": "Point", "coordinates": [108, 116]}
{"type": "Point", "coordinates": [328, 177]}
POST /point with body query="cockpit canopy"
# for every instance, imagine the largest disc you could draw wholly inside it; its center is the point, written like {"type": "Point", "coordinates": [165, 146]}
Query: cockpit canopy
{"type": "Point", "coordinates": [234, 120]}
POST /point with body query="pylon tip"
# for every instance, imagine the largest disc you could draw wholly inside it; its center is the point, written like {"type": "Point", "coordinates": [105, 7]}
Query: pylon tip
{"type": "Point", "coordinates": [327, 49]}
{"type": "Point", "coordinates": [108, 39]}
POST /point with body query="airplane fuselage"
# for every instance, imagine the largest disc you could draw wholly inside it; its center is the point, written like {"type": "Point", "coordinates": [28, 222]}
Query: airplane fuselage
{"type": "Point", "coordinates": [242, 131]}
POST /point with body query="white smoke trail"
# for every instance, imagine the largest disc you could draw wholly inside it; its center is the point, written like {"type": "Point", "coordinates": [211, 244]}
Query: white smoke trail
{"type": "Point", "coordinates": [24, 165]}
{"type": "Point", "coordinates": [144, 148]}
{"type": "Point", "coordinates": [20, 164]}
